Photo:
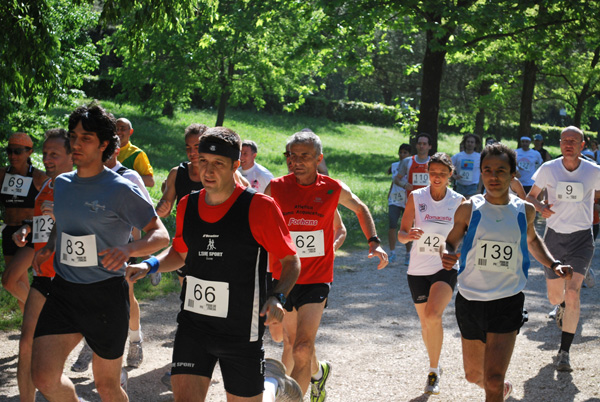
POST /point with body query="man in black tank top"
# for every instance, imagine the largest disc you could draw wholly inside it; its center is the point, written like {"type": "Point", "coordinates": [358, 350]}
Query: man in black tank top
{"type": "Point", "coordinates": [223, 235]}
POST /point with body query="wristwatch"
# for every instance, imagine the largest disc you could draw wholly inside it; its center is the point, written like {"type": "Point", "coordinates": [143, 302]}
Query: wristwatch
{"type": "Point", "coordinates": [555, 264]}
{"type": "Point", "coordinates": [281, 297]}
{"type": "Point", "coordinates": [375, 239]}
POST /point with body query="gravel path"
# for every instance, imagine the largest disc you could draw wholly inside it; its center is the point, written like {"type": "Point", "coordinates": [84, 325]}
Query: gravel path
{"type": "Point", "coordinates": [371, 334]}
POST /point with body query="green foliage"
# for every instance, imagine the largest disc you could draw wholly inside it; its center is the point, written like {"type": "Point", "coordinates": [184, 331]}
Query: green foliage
{"type": "Point", "coordinates": [46, 53]}
{"type": "Point", "coordinates": [404, 118]}
{"type": "Point", "coordinates": [240, 53]}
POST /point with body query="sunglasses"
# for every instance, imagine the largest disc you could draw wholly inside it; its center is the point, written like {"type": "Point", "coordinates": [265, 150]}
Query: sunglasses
{"type": "Point", "coordinates": [17, 151]}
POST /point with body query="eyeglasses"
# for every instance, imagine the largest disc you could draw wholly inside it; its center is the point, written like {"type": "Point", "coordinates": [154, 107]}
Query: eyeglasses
{"type": "Point", "coordinates": [17, 151]}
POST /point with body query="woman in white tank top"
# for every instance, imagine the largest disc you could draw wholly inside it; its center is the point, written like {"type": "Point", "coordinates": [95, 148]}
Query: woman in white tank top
{"type": "Point", "coordinates": [427, 220]}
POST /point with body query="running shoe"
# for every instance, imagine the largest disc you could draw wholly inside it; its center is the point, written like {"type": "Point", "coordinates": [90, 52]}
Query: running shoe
{"type": "Point", "coordinates": [83, 360]}
{"type": "Point", "coordinates": [155, 278]}
{"type": "Point", "coordinates": [392, 257]}
{"type": "Point", "coordinates": [562, 361]}
{"type": "Point", "coordinates": [124, 377]}
{"type": "Point", "coordinates": [166, 380]}
{"type": "Point", "coordinates": [288, 389]}
{"type": "Point", "coordinates": [560, 313]}
{"type": "Point", "coordinates": [135, 356]}
{"type": "Point", "coordinates": [590, 279]}
{"type": "Point", "coordinates": [433, 384]}
{"type": "Point", "coordinates": [507, 389]}
{"type": "Point", "coordinates": [552, 314]}
{"type": "Point", "coordinates": [317, 387]}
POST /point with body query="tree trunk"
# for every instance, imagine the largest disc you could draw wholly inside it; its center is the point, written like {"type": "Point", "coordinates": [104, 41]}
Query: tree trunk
{"type": "Point", "coordinates": [585, 93]}
{"type": "Point", "coordinates": [483, 90]}
{"type": "Point", "coordinates": [225, 82]}
{"type": "Point", "coordinates": [526, 115]}
{"type": "Point", "coordinates": [433, 70]}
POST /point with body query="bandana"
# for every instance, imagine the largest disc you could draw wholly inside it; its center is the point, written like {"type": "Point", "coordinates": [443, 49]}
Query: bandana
{"type": "Point", "coordinates": [219, 148]}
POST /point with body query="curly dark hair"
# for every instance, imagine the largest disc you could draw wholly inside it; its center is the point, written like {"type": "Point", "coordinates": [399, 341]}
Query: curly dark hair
{"type": "Point", "coordinates": [95, 119]}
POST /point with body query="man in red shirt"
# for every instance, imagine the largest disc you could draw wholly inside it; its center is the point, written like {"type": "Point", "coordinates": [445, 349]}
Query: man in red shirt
{"type": "Point", "coordinates": [308, 201]}
{"type": "Point", "coordinates": [223, 234]}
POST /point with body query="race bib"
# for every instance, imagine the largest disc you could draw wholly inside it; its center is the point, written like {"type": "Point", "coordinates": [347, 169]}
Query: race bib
{"type": "Point", "coordinates": [466, 175]}
{"type": "Point", "coordinates": [206, 297]}
{"type": "Point", "coordinates": [524, 165]}
{"type": "Point", "coordinates": [42, 226]}
{"type": "Point", "coordinates": [420, 179]}
{"type": "Point", "coordinates": [569, 191]}
{"type": "Point", "coordinates": [496, 256]}
{"type": "Point", "coordinates": [309, 244]}
{"type": "Point", "coordinates": [15, 184]}
{"type": "Point", "coordinates": [398, 197]}
{"type": "Point", "coordinates": [78, 251]}
{"type": "Point", "coordinates": [429, 243]}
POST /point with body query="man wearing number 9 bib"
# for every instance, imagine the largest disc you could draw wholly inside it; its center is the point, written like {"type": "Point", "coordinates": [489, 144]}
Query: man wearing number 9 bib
{"type": "Point", "coordinates": [497, 230]}
{"type": "Point", "coordinates": [95, 211]}
{"type": "Point", "coordinates": [572, 185]}
{"type": "Point", "coordinates": [223, 234]}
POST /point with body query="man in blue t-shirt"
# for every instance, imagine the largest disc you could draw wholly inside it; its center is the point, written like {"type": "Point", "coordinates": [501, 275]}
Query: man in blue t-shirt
{"type": "Point", "coordinates": [95, 211]}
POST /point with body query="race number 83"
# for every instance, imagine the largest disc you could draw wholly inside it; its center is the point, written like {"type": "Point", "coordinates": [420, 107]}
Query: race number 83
{"type": "Point", "coordinates": [78, 251]}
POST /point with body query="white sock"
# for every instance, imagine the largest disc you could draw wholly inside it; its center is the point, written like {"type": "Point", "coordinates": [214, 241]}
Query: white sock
{"type": "Point", "coordinates": [319, 374]}
{"type": "Point", "coordinates": [435, 370]}
{"type": "Point", "coordinates": [135, 336]}
{"type": "Point", "coordinates": [271, 386]}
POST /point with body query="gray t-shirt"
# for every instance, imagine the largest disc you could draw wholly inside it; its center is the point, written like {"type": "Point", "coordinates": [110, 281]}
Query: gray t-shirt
{"type": "Point", "coordinates": [106, 207]}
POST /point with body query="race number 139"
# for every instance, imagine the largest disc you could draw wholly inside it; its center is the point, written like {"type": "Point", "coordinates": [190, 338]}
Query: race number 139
{"type": "Point", "coordinates": [496, 256]}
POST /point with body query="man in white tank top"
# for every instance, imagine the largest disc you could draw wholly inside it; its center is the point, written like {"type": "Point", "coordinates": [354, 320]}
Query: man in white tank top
{"type": "Point", "coordinates": [498, 231]}
{"type": "Point", "coordinates": [572, 185]}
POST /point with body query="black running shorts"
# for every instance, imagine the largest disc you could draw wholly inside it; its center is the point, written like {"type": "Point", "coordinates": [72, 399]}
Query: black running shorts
{"type": "Point", "coordinates": [99, 311]}
{"type": "Point", "coordinates": [42, 284]}
{"type": "Point", "coordinates": [477, 318]}
{"type": "Point", "coordinates": [306, 294]}
{"type": "Point", "coordinates": [242, 363]}
{"type": "Point", "coordinates": [420, 285]}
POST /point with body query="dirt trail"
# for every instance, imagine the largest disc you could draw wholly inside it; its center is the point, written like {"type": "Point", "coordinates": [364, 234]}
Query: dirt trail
{"type": "Point", "coordinates": [371, 334]}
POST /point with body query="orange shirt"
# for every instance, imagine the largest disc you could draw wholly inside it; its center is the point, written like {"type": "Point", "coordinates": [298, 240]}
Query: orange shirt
{"type": "Point", "coordinates": [420, 169]}
{"type": "Point", "coordinates": [45, 194]}
{"type": "Point", "coordinates": [308, 212]}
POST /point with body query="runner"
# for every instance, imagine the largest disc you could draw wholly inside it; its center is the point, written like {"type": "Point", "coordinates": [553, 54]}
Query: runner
{"type": "Point", "coordinates": [498, 231]}
{"type": "Point", "coordinates": [223, 234]}
{"type": "Point", "coordinates": [396, 203]}
{"type": "Point", "coordinates": [528, 161]}
{"type": "Point", "coordinates": [432, 210]}
{"type": "Point", "coordinates": [135, 355]}
{"type": "Point", "coordinates": [21, 183]}
{"type": "Point", "coordinates": [308, 201]}
{"type": "Point", "coordinates": [133, 157]}
{"type": "Point", "coordinates": [56, 155]}
{"type": "Point", "coordinates": [258, 175]}
{"type": "Point", "coordinates": [412, 173]}
{"type": "Point", "coordinates": [467, 166]}
{"type": "Point", "coordinates": [95, 210]}
{"type": "Point", "coordinates": [571, 183]}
